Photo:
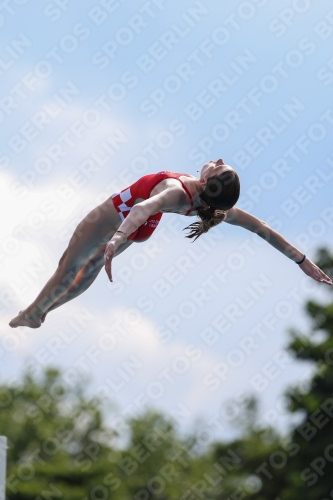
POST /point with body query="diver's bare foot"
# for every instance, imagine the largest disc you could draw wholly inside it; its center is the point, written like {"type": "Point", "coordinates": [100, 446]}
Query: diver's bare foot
{"type": "Point", "coordinates": [42, 318]}
{"type": "Point", "coordinates": [25, 319]}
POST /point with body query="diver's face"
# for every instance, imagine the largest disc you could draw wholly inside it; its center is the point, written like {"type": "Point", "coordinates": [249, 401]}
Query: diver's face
{"type": "Point", "coordinates": [213, 168]}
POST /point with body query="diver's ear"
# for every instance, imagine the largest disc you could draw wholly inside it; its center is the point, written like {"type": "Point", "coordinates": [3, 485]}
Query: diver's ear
{"type": "Point", "coordinates": [202, 183]}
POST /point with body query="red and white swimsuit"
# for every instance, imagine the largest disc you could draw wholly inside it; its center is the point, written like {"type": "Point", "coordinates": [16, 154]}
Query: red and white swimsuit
{"type": "Point", "coordinates": [142, 188]}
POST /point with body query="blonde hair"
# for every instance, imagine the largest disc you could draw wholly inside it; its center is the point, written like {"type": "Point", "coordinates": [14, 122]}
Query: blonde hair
{"type": "Point", "coordinates": [209, 218]}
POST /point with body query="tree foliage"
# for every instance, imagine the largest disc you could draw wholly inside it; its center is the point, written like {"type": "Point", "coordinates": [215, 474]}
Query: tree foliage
{"type": "Point", "coordinates": [59, 447]}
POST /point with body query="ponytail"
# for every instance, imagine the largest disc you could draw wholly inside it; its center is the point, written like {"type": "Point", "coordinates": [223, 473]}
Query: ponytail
{"type": "Point", "coordinates": [209, 218]}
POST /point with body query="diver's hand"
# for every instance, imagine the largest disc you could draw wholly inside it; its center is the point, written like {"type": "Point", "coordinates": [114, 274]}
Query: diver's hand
{"type": "Point", "coordinates": [109, 253]}
{"type": "Point", "coordinates": [309, 268]}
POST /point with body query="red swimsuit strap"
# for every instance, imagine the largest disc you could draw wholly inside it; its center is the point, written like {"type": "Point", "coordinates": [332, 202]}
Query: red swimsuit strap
{"type": "Point", "coordinates": [191, 209]}
{"type": "Point", "coordinates": [189, 195]}
{"type": "Point", "coordinates": [174, 175]}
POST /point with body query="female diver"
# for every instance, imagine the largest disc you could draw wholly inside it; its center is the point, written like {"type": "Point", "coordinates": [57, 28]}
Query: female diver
{"type": "Point", "coordinates": [132, 216]}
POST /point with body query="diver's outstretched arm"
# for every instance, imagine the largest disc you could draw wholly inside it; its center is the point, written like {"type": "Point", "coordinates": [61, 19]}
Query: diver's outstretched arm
{"type": "Point", "coordinates": [239, 217]}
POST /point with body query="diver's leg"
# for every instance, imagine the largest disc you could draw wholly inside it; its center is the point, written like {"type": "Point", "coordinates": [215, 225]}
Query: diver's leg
{"type": "Point", "coordinates": [84, 278]}
{"type": "Point", "coordinates": [88, 240]}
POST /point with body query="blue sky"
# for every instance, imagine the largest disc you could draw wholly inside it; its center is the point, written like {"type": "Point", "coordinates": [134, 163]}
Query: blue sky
{"type": "Point", "coordinates": [150, 86]}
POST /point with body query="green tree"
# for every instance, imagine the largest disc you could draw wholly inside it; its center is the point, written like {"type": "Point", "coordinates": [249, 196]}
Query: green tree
{"type": "Point", "coordinates": [59, 447]}
{"type": "Point", "coordinates": [252, 452]}
{"type": "Point", "coordinates": [55, 436]}
{"type": "Point", "coordinates": [160, 465]}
